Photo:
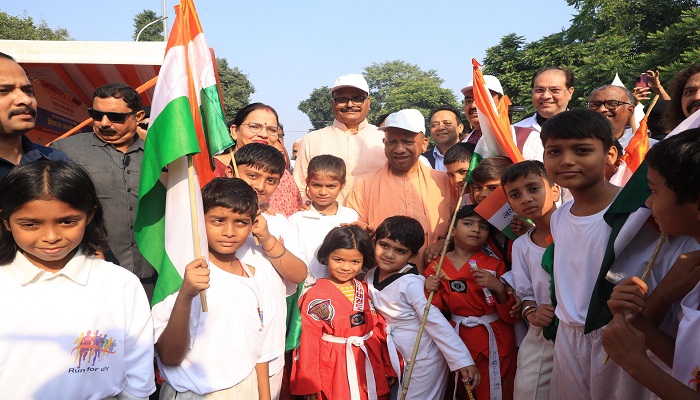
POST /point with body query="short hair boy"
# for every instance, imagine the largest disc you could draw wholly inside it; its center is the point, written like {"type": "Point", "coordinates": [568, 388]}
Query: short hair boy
{"type": "Point", "coordinates": [277, 253]}
{"type": "Point", "coordinates": [674, 201]}
{"type": "Point", "coordinates": [200, 353]}
{"type": "Point", "coordinates": [457, 160]}
{"type": "Point", "coordinates": [578, 145]}
{"type": "Point", "coordinates": [486, 177]}
{"type": "Point", "coordinates": [532, 195]}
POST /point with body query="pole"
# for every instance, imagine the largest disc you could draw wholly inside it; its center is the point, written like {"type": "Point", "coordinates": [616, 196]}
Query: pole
{"type": "Point", "coordinates": [409, 370]}
{"type": "Point", "coordinates": [195, 223]}
{"type": "Point", "coordinates": [165, 23]}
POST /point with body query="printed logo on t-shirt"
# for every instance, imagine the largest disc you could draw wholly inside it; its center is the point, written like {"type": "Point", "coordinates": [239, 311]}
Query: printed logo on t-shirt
{"type": "Point", "coordinates": [694, 383]}
{"type": "Point", "coordinates": [321, 310]}
{"type": "Point", "coordinates": [357, 319]}
{"type": "Point", "coordinates": [92, 348]}
{"type": "Point", "coordinates": [458, 286]}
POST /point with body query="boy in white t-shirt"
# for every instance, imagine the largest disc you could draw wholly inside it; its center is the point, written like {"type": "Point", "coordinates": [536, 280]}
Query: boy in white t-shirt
{"type": "Point", "coordinates": [532, 195]}
{"type": "Point", "coordinates": [578, 145]}
{"type": "Point", "coordinates": [221, 351]}
{"type": "Point", "coordinates": [675, 204]}
{"type": "Point", "coordinates": [275, 249]}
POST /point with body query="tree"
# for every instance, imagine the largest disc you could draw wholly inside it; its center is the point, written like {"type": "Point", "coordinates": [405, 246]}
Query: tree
{"type": "Point", "coordinates": [24, 28]}
{"type": "Point", "coordinates": [235, 88]}
{"type": "Point", "coordinates": [318, 107]}
{"type": "Point", "coordinates": [423, 95]}
{"type": "Point", "coordinates": [153, 33]}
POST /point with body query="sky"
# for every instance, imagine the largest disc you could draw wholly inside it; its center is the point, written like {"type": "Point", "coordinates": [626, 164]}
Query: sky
{"type": "Point", "coordinates": [288, 48]}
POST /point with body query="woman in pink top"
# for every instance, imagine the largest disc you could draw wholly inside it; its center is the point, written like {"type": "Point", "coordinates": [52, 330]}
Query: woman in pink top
{"type": "Point", "coordinates": [258, 123]}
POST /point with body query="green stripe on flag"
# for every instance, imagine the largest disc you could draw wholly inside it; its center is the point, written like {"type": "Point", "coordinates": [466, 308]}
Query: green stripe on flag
{"type": "Point", "coordinates": [213, 122]}
{"type": "Point", "coordinates": [473, 163]}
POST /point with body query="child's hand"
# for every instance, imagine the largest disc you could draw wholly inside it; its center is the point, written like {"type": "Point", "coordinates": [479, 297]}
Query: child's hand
{"type": "Point", "coordinates": [630, 296]}
{"type": "Point", "coordinates": [360, 225]}
{"type": "Point", "coordinates": [432, 283]}
{"type": "Point", "coordinates": [261, 232]}
{"type": "Point", "coordinates": [519, 226]}
{"type": "Point", "coordinates": [682, 277]}
{"type": "Point", "coordinates": [543, 316]}
{"type": "Point", "coordinates": [470, 376]}
{"type": "Point", "coordinates": [518, 306]}
{"type": "Point", "coordinates": [196, 278]}
{"type": "Point", "coordinates": [488, 280]}
{"type": "Point", "coordinates": [623, 342]}
{"type": "Point", "coordinates": [390, 380]}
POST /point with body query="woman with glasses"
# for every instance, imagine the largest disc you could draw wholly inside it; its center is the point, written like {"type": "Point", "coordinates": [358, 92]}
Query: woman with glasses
{"type": "Point", "coordinates": [258, 123]}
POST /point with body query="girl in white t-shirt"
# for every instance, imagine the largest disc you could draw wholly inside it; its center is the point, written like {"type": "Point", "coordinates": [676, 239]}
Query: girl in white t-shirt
{"type": "Point", "coordinates": [74, 326]}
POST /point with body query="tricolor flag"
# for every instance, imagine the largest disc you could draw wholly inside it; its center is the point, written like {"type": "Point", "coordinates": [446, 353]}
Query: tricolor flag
{"type": "Point", "coordinates": [186, 119]}
{"type": "Point", "coordinates": [634, 155]}
{"type": "Point", "coordinates": [498, 212]}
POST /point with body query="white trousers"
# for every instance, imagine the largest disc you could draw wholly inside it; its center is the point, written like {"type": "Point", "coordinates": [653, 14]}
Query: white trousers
{"type": "Point", "coordinates": [534, 373]}
{"type": "Point", "coordinates": [245, 389]}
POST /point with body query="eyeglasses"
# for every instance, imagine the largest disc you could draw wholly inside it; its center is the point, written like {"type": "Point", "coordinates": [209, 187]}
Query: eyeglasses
{"type": "Point", "coordinates": [256, 127]}
{"type": "Point", "coordinates": [609, 104]}
{"type": "Point", "coordinates": [542, 90]}
{"type": "Point", "coordinates": [116, 117]}
{"type": "Point", "coordinates": [357, 100]}
{"type": "Point", "coordinates": [467, 102]}
{"type": "Point", "coordinates": [436, 124]}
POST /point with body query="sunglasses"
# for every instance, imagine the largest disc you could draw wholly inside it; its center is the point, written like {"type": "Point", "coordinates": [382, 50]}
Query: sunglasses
{"type": "Point", "coordinates": [117, 117]}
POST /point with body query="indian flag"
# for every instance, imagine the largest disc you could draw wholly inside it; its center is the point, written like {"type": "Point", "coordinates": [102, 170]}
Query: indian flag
{"type": "Point", "coordinates": [186, 119]}
{"type": "Point", "coordinates": [498, 212]}
{"type": "Point", "coordinates": [634, 155]}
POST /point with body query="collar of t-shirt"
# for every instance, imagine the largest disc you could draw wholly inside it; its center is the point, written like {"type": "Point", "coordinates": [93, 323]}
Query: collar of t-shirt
{"type": "Point", "coordinates": [75, 270]}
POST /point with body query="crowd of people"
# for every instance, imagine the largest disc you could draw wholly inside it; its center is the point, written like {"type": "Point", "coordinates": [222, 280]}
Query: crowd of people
{"type": "Point", "coordinates": [321, 266]}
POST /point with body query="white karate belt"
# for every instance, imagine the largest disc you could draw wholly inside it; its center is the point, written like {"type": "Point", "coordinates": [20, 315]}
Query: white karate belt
{"type": "Point", "coordinates": [394, 355]}
{"type": "Point", "coordinates": [494, 361]}
{"type": "Point", "coordinates": [353, 380]}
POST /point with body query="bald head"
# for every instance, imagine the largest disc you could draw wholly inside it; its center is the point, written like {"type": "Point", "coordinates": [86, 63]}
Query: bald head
{"type": "Point", "coordinates": [616, 104]}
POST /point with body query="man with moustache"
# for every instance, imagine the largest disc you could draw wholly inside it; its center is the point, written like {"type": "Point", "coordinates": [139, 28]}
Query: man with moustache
{"type": "Point", "coordinates": [685, 96]}
{"type": "Point", "coordinates": [445, 129]}
{"type": "Point", "coordinates": [350, 137]}
{"type": "Point", "coordinates": [404, 185]}
{"type": "Point", "coordinates": [17, 117]}
{"type": "Point", "coordinates": [112, 155]}
{"type": "Point", "coordinates": [494, 87]}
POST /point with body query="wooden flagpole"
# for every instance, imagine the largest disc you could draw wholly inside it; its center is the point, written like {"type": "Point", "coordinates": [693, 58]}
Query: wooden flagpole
{"type": "Point", "coordinates": [409, 370]}
{"type": "Point", "coordinates": [195, 223]}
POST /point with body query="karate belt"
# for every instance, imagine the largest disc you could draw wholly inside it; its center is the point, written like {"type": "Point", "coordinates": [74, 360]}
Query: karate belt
{"type": "Point", "coordinates": [394, 355]}
{"type": "Point", "coordinates": [494, 362]}
{"type": "Point", "coordinates": [353, 380]}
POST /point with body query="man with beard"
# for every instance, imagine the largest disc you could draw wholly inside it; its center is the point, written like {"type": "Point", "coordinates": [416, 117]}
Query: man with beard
{"type": "Point", "coordinates": [112, 155]}
{"type": "Point", "coordinates": [685, 96]}
{"type": "Point", "coordinates": [350, 137]}
{"type": "Point", "coordinates": [17, 117]}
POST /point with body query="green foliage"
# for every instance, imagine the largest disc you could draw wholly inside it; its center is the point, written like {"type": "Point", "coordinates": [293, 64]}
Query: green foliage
{"type": "Point", "coordinates": [423, 95]}
{"type": "Point", "coordinates": [605, 37]}
{"type": "Point", "coordinates": [235, 88]}
{"type": "Point", "coordinates": [24, 28]}
{"type": "Point", "coordinates": [318, 107]}
{"type": "Point", "coordinates": [153, 33]}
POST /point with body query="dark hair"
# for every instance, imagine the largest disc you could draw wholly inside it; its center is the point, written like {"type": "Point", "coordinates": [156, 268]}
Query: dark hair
{"type": "Point", "coordinates": [523, 169]}
{"type": "Point", "coordinates": [466, 212]}
{"type": "Point", "coordinates": [347, 237]}
{"type": "Point", "coordinates": [578, 124]}
{"type": "Point", "coordinates": [445, 108]}
{"type": "Point", "coordinates": [131, 97]}
{"type": "Point", "coordinates": [9, 57]}
{"type": "Point", "coordinates": [674, 113]}
{"type": "Point", "coordinates": [628, 93]}
{"type": "Point", "coordinates": [261, 156]}
{"type": "Point", "coordinates": [243, 113]}
{"type": "Point", "coordinates": [50, 180]}
{"type": "Point", "coordinates": [381, 119]}
{"type": "Point", "coordinates": [490, 169]}
{"type": "Point", "coordinates": [618, 146]}
{"type": "Point", "coordinates": [328, 165]}
{"type": "Point", "coordinates": [405, 230]}
{"type": "Point", "coordinates": [677, 159]}
{"type": "Point", "coordinates": [461, 152]}
{"type": "Point", "coordinates": [230, 193]}
{"type": "Point", "coordinates": [568, 75]}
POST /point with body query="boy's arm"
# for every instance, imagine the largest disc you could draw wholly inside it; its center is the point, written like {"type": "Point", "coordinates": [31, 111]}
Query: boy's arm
{"type": "Point", "coordinates": [138, 344]}
{"type": "Point", "coordinates": [680, 279]}
{"type": "Point", "coordinates": [174, 343]}
{"type": "Point", "coordinates": [262, 372]}
{"type": "Point", "coordinates": [289, 266]}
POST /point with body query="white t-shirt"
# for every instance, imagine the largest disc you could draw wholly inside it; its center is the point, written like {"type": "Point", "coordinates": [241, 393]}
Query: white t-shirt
{"type": "Point", "coordinates": [686, 360]}
{"type": "Point", "coordinates": [580, 245]}
{"type": "Point", "coordinates": [253, 254]}
{"type": "Point", "coordinates": [311, 228]}
{"type": "Point", "coordinates": [226, 341]}
{"type": "Point", "coordinates": [84, 332]}
{"type": "Point", "coordinates": [531, 280]}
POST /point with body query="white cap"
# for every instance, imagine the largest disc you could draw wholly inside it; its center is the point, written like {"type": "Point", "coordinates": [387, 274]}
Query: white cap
{"type": "Point", "coordinates": [410, 120]}
{"type": "Point", "coordinates": [351, 80]}
{"type": "Point", "coordinates": [491, 82]}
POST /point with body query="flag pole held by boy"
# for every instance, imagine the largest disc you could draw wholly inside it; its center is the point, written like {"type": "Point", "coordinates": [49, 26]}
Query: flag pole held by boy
{"type": "Point", "coordinates": [187, 126]}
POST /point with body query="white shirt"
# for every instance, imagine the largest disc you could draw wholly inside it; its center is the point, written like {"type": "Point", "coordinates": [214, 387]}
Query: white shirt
{"type": "Point", "coordinates": [580, 245]}
{"type": "Point", "coordinates": [84, 332]}
{"type": "Point", "coordinates": [531, 280]}
{"type": "Point", "coordinates": [226, 342]}
{"type": "Point", "coordinates": [439, 159]}
{"type": "Point", "coordinates": [687, 352]}
{"type": "Point", "coordinates": [311, 227]}
{"type": "Point", "coordinates": [252, 254]}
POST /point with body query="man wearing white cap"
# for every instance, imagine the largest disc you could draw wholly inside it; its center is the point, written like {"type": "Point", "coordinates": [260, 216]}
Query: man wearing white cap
{"type": "Point", "coordinates": [350, 137]}
{"type": "Point", "coordinates": [405, 186]}
{"type": "Point", "coordinates": [496, 90]}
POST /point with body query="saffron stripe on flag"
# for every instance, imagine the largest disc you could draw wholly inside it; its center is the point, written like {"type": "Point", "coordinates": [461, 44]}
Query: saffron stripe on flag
{"type": "Point", "coordinates": [496, 210]}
